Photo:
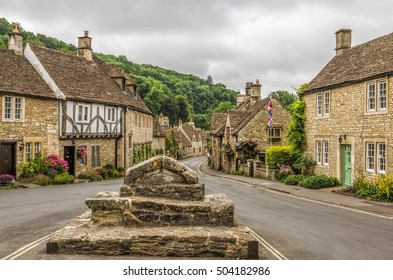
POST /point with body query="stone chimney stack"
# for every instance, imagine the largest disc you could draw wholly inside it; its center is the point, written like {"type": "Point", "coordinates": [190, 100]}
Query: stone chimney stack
{"type": "Point", "coordinates": [15, 39]}
{"type": "Point", "coordinates": [343, 40]}
{"type": "Point", "coordinates": [84, 47]}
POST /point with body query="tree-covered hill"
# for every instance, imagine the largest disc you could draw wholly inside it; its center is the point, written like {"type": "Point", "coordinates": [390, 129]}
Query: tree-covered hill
{"type": "Point", "coordinates": [177, 95]}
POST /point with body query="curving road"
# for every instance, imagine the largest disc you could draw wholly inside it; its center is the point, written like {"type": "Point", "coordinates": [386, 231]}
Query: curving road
{"type": "Point", "coordinates": [295, 228]}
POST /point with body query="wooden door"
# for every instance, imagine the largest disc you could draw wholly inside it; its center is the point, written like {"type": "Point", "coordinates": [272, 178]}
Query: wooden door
{"type": "Point", "coordinates": [69, 156]}
{"type": "Point", "coordinates": [7, 158]}
{"type": "Point", "coordinates": [346, 165]}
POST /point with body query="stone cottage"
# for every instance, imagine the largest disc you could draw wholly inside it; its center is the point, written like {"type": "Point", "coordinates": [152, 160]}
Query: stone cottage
{"type": "Point", "coordinates": [349, 122]}
{"type": "Point", "coordinates": [246, 123]}
{"type": "Point", "coordinates": [70, 102]}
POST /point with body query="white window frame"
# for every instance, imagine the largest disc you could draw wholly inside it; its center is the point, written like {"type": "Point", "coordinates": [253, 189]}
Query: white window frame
{"type": "Point", "coordinates": [325, 153]}
{"type": "Point", "coordinates": [83, 113]}
{"type": "Point", "coordinates": [13, 108]}
{"type": "Point", "coordinates": [382, 98]}
{"type": "Point", "coordinates": [381, 158]}
{"type": "Point", "coordinates": [371, 98]}
{"type": "Point", "coordinates": [319, 104]}
{"type": "Point", "coordinates": [326, 103]}
{"type": "Point", "coordinates": [318, 152]}
{"type": "Point", "coordinates": [110, 114]}
{"type": "Point", "coordinates": [370, 156]}
{"type": "Point", "coordinates": [29, 155]}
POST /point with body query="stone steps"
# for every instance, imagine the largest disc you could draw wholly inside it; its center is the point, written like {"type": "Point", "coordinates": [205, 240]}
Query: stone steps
{"type": "Point", "coordinates": [181, 241]}
{"type": "Point", "coordinates": [214, 210]}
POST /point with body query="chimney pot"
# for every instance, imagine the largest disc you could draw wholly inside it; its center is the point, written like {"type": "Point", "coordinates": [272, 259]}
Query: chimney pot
{"type": "Point", "coordinates": [343, 40]}
{"type": "Point", "coordinates": [15, 39]}
{"type": "Point", "coordinates": [86, 33]}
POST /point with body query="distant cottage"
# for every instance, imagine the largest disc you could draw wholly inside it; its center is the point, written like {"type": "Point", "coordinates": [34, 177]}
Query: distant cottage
{"type": "Point", "coordinates": [244, 124]}
{"type": "Point", "coordinates": [53, 102]}
{"type": "Point", "coordinates": [348, 107]}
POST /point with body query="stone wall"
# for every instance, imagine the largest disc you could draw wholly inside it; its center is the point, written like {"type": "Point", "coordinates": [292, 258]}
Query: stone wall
{"type": "Point", "coordinates": [348, 117]}
{"type": "Point", "coordinates": [258, 131]}
{"type": "Point", "coordinates": [39, 125]}
{"type": "Point", "coordinates": [107, 152]}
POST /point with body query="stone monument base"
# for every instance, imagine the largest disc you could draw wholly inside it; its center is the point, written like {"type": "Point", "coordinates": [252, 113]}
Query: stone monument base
{"type": "Point", "coordinates": [81, 236]}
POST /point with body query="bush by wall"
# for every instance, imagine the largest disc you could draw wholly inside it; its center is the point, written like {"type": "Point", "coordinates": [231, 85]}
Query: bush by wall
{"type": "Point", "coordinates": [380, 188]}
{"type": "Point", "coordinates": [319, 181]}
{"type": "Point", "coordinates": [279, 155]}
{"type": "Point", "coordinates": [63, 178]}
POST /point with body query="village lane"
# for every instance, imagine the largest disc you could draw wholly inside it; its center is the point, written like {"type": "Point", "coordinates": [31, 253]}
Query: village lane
{"type": "Point", "coordinates": [303, 229]}
{"type": "Point", "coordinates": [294, 228]}
{"type": "Point", "coordinates": [27, 215]}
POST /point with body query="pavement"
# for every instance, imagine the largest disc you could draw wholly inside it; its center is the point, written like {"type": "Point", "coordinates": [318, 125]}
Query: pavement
{"type": "Point", "coordinates": [333, 196]}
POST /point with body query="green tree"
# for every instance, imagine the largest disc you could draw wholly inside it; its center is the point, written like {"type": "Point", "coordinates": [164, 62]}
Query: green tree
{"type": "Point", "coordinates": [296, 129]}
{"type": "Point", "coordinates": [286, 98]}
{"type": "Point", "coordinates": [223, 107]}
{"type": "Point", "coordinates": [182, 105]}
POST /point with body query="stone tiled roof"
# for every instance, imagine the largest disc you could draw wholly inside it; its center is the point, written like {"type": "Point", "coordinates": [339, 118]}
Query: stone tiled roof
{"type": "Point", "coordinates": [236, 117]}
{"type": "Point", "coordinates": [17, 75]}
{"type": "Point", "coordinates": [253, 110]}
{"type": "Point", "coordinates": [217, 122]}
{"type": "Point", "coordinates": [182, 138]}
{"type": "Point", "coordinates": [81, 79]}
{"type": "Point", "coordinates": [370, 60]}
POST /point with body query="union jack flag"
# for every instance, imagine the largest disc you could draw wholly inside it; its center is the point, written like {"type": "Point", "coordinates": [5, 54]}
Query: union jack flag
{"type": "Point", "coordinates": [270, 112]}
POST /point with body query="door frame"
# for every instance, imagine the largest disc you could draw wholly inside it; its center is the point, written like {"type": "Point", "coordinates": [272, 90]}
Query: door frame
{"type": "Point", "coordinates": [344, 157]}
{"type": "Point", "coordinates": [71, 162]}
{"type": "Point", "coordinates": [14, 155]}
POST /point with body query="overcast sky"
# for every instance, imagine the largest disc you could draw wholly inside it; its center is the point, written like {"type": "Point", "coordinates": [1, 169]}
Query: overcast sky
{"type": "Point", "coordinates": [283, 43]}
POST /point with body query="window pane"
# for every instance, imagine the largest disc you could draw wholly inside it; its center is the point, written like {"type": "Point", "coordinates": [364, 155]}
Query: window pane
{"type": "Point", "coordinates": [80, 112]}
{"type": "Point", "coordinates": [381, 157]}
{"type": "Point", "coordinates": [86, 114]}
{"type": "Point", "coordinates": [370, 157]}
{"type": "Point", "coordinates": [18, 108]}
{"type": "Point", "coordinates": [327, 103]}
{"type": "Point", "coordinates": [37, 147]}
{"type": "Point", "coordinates": [8, 107]}
{"type": "Point", "coordinates": [382, 95]}
{"type": "Point", "coordinates": [319, 104]}
{"type": "Point", "coordinates": [318, 152]}
{"type": "Point", "coordinates": [371, 97]}
{"type": "Point", "coordinates": [325, 152]}
{"type": "Point", "coordinates": [28, 151]}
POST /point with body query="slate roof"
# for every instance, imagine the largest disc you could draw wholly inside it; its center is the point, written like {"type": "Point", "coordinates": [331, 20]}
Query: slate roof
{"type": "Point", "coordinates": [217, 122]}
{"type": "Point", "coordinates": [17, 75]}
{"type": "Point", "coordinates": [182, 138]}
{"type": "Point", "coordinates": [370, 60]}
{"type": "Point", "coordinates": [253, 110]}
{"type": "Point", "coordinates": [90, 81]}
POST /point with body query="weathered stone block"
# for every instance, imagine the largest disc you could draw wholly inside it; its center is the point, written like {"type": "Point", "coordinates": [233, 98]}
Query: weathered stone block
{"type": "Point", "coordinates": [169, 190]}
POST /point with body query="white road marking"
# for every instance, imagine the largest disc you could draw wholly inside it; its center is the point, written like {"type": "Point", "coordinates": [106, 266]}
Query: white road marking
{"type": "Point", "coordinates": [269, 247]}
{"type": "Point", "coordinates": [29, 246]}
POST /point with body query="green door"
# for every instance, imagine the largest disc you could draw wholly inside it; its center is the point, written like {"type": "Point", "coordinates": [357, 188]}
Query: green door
{"type": "Point", "coordinates": [346, 165]}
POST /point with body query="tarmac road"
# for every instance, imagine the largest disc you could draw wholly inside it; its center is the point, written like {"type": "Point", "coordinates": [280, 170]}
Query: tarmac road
{"type": "Point", "coordinates": [289, 227]}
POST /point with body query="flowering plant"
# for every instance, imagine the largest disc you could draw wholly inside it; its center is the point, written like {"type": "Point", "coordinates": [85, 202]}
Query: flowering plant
{"type": "Point", "coordinates": [57, 163]}
{"type": "Point", "coordinates": [81, 152]}
{"type": "Point", "coordinates": [6, 178]}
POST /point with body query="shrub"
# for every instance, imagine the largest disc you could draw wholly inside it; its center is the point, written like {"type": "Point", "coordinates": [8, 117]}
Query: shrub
{"type": "Point", "coordinates": [380, 188]}
{"type": "Point", "coordinates": [120, 169]}
{"type": "Point", "coordinates": [6, 178]}
{"type": "Point", "coordinates": [42, 180]}
{"type": "Point", "coordinates": [239, 172]}
{"type": "Point", "coordinates": [115, 174]}
{"type": "Point", "coordinates": [304, 164]}
{"type": "Point", "coordinates": [57, 163]}
{"type": "Point", "coordinates": [279, 155]}
{"type": "Point", "coordinates": [63, 178]}
{"type": "Point", "coordinates": [95, 178]}
{"type": "Point", "coordinates": [293, 179]}
{"type": "Point", "coordinates": [319, 181]}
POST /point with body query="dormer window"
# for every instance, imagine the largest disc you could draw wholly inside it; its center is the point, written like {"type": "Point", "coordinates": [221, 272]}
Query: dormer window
{"type": "Point", "coordinates": [123, 84]}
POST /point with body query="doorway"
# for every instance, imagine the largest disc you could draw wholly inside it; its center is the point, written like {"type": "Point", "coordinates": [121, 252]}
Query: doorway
{"type": "Point", "coordinates": [346, 165]}
{"type": "Point", "coordinates": [8, 158]}
{"type": "Point", "coordinates": [69, 156]}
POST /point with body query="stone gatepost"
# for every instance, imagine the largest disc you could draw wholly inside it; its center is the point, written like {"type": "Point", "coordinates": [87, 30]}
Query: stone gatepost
{"type": "Point", "coordinates": [161, 211]}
